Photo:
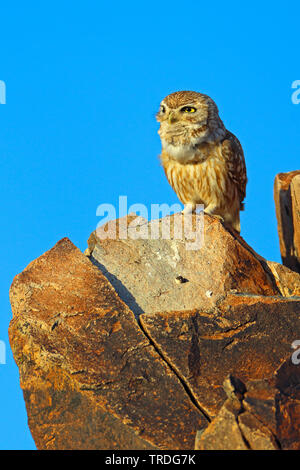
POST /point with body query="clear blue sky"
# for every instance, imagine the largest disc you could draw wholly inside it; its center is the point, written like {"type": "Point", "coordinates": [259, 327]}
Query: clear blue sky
{"type": "Point", "coordinates": [83, 83]}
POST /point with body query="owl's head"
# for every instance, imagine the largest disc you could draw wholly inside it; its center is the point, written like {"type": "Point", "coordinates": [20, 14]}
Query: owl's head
{"type": "Point", "coordinates": [188, 118]}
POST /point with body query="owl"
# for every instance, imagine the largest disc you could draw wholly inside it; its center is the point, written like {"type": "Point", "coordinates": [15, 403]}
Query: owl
{"type": "Point", "coordinates": [203, 162]}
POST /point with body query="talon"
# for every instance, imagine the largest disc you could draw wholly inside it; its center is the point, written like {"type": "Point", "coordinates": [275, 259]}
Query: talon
{"type": "Point", "coordinates": [214, 215]}
{"type": "Point", "coordinates": [188, 208]}
{"type": "Point", "coordinates": [218, 217]}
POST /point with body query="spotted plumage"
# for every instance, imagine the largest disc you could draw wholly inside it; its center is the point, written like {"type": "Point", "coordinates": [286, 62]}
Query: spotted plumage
{"type": "Point", "coordinates": [203, 162]}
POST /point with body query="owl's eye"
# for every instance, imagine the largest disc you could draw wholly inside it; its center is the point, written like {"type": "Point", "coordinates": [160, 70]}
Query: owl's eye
{"type": "Point", "coordinates": [188, 109]}
{"type": "Point", "coordinates": [162, 109]}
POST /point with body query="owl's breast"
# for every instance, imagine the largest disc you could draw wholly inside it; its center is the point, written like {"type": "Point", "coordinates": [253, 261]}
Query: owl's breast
{"type": "Point", "coordinates": [201, 183]}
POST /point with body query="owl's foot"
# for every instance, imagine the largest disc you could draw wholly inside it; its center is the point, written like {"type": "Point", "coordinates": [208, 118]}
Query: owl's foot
{"type": "Point", "coordinates": [216, 216]}
{"type": "Point", "coordinates": [189, 208]}
{"type": "Point", "coordinates": [210, 211]}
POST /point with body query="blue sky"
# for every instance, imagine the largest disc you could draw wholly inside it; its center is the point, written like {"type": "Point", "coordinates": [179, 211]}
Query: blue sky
{"type": "Point", "coordinates": [83, 83]}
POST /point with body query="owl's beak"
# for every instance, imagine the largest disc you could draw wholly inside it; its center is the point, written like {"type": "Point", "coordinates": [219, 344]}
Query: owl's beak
{"type": "Point", "coordinates": [172, 118]}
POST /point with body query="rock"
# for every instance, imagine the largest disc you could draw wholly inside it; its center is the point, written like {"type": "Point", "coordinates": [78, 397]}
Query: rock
{"type": "Point", "coordinates": [90, 377]}
{"type": "Point", "coordinates": [223, 433]}
{"type": "Point", "coordinates": [148, 343]}
{"type": "Point", "coordinates": [287, 281]}
{"type": "Point", "coordinates": [265, 416]}
{"type": "Point", "coordinates": [248, 336]}
{"type": "Point", "coordinates": [260, 400]}
{"type": "Point", "coordinates": [234, 387]}
{"type": "Point", "coordinates": [148, 273]}
{"type": "Point", "coordinates": [288, 405]}
{"type": "Point", "coordinates": [289, 421]}
{"type": "Point", "coordinates": [257, 436]}
{"type": "Point", "coordinates": [287, 203]}
{"type": "Point", "coordinates": [236, 427]}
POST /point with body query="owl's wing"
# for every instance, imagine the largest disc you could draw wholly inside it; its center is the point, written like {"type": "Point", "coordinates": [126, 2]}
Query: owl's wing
{"type": "Point", "coordinates": [234, 156]}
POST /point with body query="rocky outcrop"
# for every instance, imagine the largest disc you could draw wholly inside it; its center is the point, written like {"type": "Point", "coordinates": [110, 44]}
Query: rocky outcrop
{"type": "Point", "coordinates": [287, 203]}
{"type": "Point", "coordinates": [90, 377]}
{"type": "Point", "coordinates": [150, 340]}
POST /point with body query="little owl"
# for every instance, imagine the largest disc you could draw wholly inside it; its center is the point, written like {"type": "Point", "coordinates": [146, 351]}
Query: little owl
{"type": "Point", "coordinates": [203, 162]}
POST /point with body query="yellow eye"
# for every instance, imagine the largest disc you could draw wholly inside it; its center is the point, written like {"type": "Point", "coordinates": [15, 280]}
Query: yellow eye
{"type": "Point", "coordinates": [188, 109]}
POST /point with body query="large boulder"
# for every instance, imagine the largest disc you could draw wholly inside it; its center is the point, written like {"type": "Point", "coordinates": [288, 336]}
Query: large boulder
{"type": "Point", "coordinates": [90, 377]}
{"type": "Point", "coordinates": [155, 343]}
{"type": "Point", "coordinates": [164, 273]}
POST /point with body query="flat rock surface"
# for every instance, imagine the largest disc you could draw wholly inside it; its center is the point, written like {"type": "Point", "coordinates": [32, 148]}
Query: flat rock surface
{"type": "Point", "coordinates": [165, 274]}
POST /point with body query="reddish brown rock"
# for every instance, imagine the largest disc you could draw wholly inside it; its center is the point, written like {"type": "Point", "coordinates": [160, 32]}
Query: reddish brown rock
{"type": "Point", "coordinates": [260, 400]}
{"type": "Point", "coordinates": [288, 403]}
{"type": "Point", "coordinates": [295, 196]}
{"type": "Point", "coordinates": [260, 415]}
{"type": "Point", "coordinates": [289, 421]}
{"type": "Point", "coordinates": [287, 281]}
{"type": "Point", "coordinates": [163, 274]}
{"type": "Point", "coordinates": [257, 436]}
{"type": "Point", "coordinates": [287, 203]}
{"type": "Point", "coordinates": [209, 356]}
{"type": "Point", "coordinates": [235, 429]}
{"type": "Point", "coordinates": [247, 336]}
{"type": "Point", "coordinates": [223, 433]}
{"type": "Point", "coordinates": [90, 377]}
